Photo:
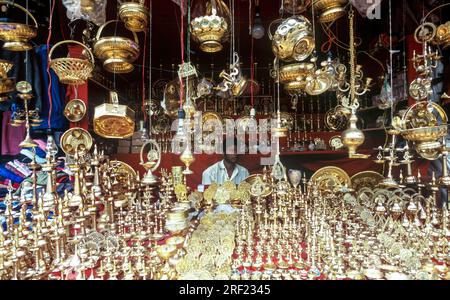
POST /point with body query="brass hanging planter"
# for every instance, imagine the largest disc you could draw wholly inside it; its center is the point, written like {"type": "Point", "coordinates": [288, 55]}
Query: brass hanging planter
{"type": "Point", "coordinates": [330, 10]}
{"type": "Point", "coordinates": [210, 30]}
{"type": "Point", "coordinates": [16, 36]}
{"type": "Point", "coordinates": [117, 53]}
{"type": "Point", "coordinates": [112, 120]}
{"type": "Point", "coordinates": [135, 15]}
{"type": "Point", "coordinates": [71, 70]}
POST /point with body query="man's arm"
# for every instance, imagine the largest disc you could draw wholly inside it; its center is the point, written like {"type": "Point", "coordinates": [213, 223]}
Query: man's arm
{"type": "Point", "coordinates": [206, 178]}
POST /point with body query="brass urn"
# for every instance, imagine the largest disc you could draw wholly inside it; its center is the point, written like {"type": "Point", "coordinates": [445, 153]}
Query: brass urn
{"type": "Point", "coordinates": [353, 137]}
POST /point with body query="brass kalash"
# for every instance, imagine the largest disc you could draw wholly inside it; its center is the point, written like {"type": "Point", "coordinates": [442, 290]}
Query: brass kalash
{"type": "Point", "coordinates": [210, 29]}
{"type": "Point", "coordinates": [135, 15]}
{"type": "Point", "coordinates": [17, 35]}
{"type": "Point", "coordinates": [117, 53]}
{"type": "Point", "coordinates": [112, 120]}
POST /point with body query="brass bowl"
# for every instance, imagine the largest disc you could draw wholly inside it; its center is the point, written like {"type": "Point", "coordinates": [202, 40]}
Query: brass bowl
{"type": "Point", "coordinates": [330, 10]}
{"type": "Point", "coordinates": [117, 53]}
{"type": "Point", "coordinates": [293, 72]}
{"type": "Point", "coordinates": [429, 150]}
{"type": "Point", "coordinates": [166, 251]}
{"type": "Point", "coordinates": [293, 39]}
{"type": "Point", "coordinates": [295, 87]}
{"type": "Point", "coordinates": [209, 31]}
{"type": "Point", "coordinates": [5, 67]}
{"type": "Point", "coordinates": [135, 16]}
{"type": "Point", "coordinates": [425, 134]}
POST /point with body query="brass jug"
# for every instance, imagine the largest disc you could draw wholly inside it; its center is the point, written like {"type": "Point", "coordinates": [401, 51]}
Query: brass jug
{"type": "Point", "coordinates": [112, 120]}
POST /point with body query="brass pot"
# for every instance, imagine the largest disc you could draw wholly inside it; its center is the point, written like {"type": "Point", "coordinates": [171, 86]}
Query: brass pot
{"type": "Point", "coordinates": [114, 121]}
{"type": "Point", "coordinates": [135, 15]}
{"type": "Point", "coordinates": [330, 10]}
{"type": "Point", "coordinates": [71, 70]}
{"type": "Point", "coordinates": [352, 138]}
{"type": "Point", "coordinates": [117, 53]}
{"type": "Point", "coordinates": [16, 36]}
{"type": "Point", "coordinates": [296, 71]}
{"type": "Point", "coordinates": [293, 39]}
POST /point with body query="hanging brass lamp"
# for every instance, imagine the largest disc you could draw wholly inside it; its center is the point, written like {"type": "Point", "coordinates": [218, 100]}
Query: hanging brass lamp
{"type": "Point", "coordinates": [135, 15]}
{"type": "Point", "coordinates": [16, 36]}
{"type": "Point", "coordinates": [112, 120]}
{"type": "Point", "coordinates": [117, 53]}
{"type": "Point", "coordinates": [330, 10]}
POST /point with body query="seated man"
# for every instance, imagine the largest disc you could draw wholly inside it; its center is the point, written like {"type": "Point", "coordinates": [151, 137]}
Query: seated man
{"type": "Point", "coordinates": [226, 169]}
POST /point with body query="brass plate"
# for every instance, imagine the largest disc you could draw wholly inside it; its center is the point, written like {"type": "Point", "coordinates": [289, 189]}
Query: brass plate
{"type": "Point", "coordinates": [369, 179]}
{"type": "Point", "coordinates": [75, 110]}
{"type": "Point", "coordinates": [336, 142]}
{"type": "Point", "coordinates": [331, 179]}
{"type": "Point", "coordinates": [252, 178]}
{"type": "Point", "coordinates": [123, 171]}
{"type": "Point", "coordinates": [76, 138]}
{"type": "Point", "coordinates": [111, 127]}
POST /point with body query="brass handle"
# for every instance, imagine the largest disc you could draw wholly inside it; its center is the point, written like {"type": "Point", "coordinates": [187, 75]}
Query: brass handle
{"type": "Point", "coordinates": [269, 30]}
{"type": "Point", "coordinates": [91, 56]}
{"type": "Point", "coordinates": [99, 32]}
{"type": "Point", "coordinates": [22, 9]}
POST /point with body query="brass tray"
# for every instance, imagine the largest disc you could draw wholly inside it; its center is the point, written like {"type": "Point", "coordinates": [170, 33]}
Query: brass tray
{"type": "Point", "coordinates": [76, 138]}
{"type": "Point", "coordinates": [252, 178]}
{"type": "Point", "coordinates": [75, 110]}
{"type": "Point", "coordinates": [369, 179]}
{"type": "Point", "coordinates": [331, 179]}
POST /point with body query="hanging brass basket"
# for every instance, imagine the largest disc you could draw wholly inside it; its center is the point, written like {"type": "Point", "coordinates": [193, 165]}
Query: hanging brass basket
{"type": "Point", "coordinates": [114, 121]}
{"type": "Point", "coordinates": [70, 70]}
{"type": "Point", "coordinates": [293, 39]}
{"type": "Point", "coordinates": [117, 53]}
{"type": "Point", "coordinates": [135, 15]}
{"type": "Point", "coordinates": [16, 36]}
{"type": "Point", "coordinates": [330, 10]}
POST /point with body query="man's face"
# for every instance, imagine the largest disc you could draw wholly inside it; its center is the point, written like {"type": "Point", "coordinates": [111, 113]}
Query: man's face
{"type": "Point", "coordinates": [231, 155]}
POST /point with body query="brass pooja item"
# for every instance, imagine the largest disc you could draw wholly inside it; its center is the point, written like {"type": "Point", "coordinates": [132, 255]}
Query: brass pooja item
{"type": "Point", "coordinates": [331, 179]}
{"type": "Point", "coordinates": [443, 35]}
{"type": "Point", "coordinates": [75, 110]}
{"type": "Point", "coordinates": [70, 70]}
{"type": "Point", "coordinates": [295, 72]}
{"type": "Point", "coordinates": [113, 120]}
{"type": "Point", "coordinates": [117, 53]}
{"type": "Point", "coordinates": [135, 15]}
{"type": "Point", "coordinates": [16, 36]}
{"type": "Point", "coordinates": [292, 39]}
{"type": "Point", "coordinates": [329, 10]}
{"type": "Point", "coordinates": [210, 30]}
{"type": "Point", "coordinates": [151, 161]}
{"type": "Point", "coordinates": [76, 140]}
{"type": "Point", "coordinates": [366, 179]}
{"type": "Point", "coordinates": [336, 142]}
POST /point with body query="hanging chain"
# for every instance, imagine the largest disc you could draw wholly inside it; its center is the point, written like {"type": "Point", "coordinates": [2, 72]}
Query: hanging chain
{"type": "Point", "coordinates": [353, 99]}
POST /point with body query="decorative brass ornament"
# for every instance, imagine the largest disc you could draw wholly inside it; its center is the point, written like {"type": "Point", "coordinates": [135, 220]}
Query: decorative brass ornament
{"type": "Point", "coordinates": [6, 85]}
{"type": "Point", "coordinates": [330, 10]}
{"type": "Point", "coordinates": [366, 179]}
{"type": "Point", "coordinates": [135, 15]}
{"type": "Point", "coordinates": [210, 30]}
{"type": "Point", "coordinates": [122, 171]}
{"type": "Point", "coordinates": [295, 87]}
{"type": "Point", "coordinates": [296, 7]}
{"type": "Point", "coordinates": [112, 120]}
{"type": "Point", "coordinates": [295, 72]}
{"type": "Point", "coordinates": [76, 140]}
{"type": "Point", "coordinates": [74, 71]}
{"type": "Point", "coordinates": [353, 137]}
{"type": "Point", "coordinates": [287, 120]}
{"type": "Point", "coordinates": [117, 53]}
{"type": "Point", "coordinates": [5, 67]}
{"type": "Point", "coordinates": [443, 35]}
{"type": "Point", "coordinates": [318, 83]}
{"type": "Point", "coordinates": [210, 120]}
{"type": "Point", "coordinates": [75, 110]}
{"type": "Point", "coordinates": [331, 179]}
{"type": "Point", "coordinates": [150, 162]}
{"type": "Point", "coordinates": [292, 39]}
{"type": "Point", "coordinates": [337, 118]}
{"type": "Point", "coordinates": [336, 143]}
{"type": "Point", "coordinates": [420, 88]}
{"type": "Point", "coordinates": [259, 188]}
{"type": "Point", "coordinates": [16, 36]}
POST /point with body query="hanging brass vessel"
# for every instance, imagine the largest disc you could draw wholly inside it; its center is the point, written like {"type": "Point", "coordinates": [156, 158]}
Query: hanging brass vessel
{"type": "Point", "coordinates": [443, 35]}
{"type": "Point", "coordinates": [112, 120]}
{"type": "Point", "coordinates": [293, 39]}
{"type": "Point", "coordinates": [296, 7]}
{"type": "Point", "coordinates": [6, 84]}
{"type": "Point", "coordinates": [330, 10]}
{"type": "Point", "coordinates": [135, 15]}
{"type": "Point", "coordinates": [295, 72]}
{"type": "Point", "coordinates": [210, 30]}
{"type": "Point", "coordinates": [16, 36]}
{"type": "Point", "coordinates": [72, 70]}
{"type": "Point", "coordinates": [353, 137]}
{"type": "Point", "coordinates": [117, 53]}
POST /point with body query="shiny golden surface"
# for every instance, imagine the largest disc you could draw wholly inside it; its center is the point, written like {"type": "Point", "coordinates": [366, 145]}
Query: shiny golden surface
{"type": "Point", "coordinates": [135, 15]}
{"type": "Point", "coordinates": [75, 110]}
{"type": "Point", "coordinates": [76, 140]}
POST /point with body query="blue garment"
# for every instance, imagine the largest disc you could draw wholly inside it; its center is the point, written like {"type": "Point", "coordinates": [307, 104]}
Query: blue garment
{"type": "Point", "coordinates": [39, 152]}
{"type": "Point", "coordinates": [58, 93]}
{"type": "Point", "coordinates": [9, 175]}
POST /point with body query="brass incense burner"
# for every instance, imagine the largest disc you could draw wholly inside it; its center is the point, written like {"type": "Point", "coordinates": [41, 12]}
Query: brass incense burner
{"type": "Point", "coordinates": [112, 120]}
{"type": "Point", "coordinates": [16, 36]}
{"type": "Point", "coordinates": [117, 53]}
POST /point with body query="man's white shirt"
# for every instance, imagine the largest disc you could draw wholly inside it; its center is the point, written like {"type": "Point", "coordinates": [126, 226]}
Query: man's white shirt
{"type": "Point", "coordinates": [219, 174]}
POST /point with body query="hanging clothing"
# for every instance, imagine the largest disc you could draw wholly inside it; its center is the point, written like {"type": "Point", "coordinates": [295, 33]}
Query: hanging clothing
{"type": "Point", "coordinates": [57, 120]}
{"type": "Point", "coordinates": [11, 136]}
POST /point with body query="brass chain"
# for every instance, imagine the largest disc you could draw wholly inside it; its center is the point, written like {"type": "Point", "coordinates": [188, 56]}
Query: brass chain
{"type": "Point", "coordinates": [353, 100]}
